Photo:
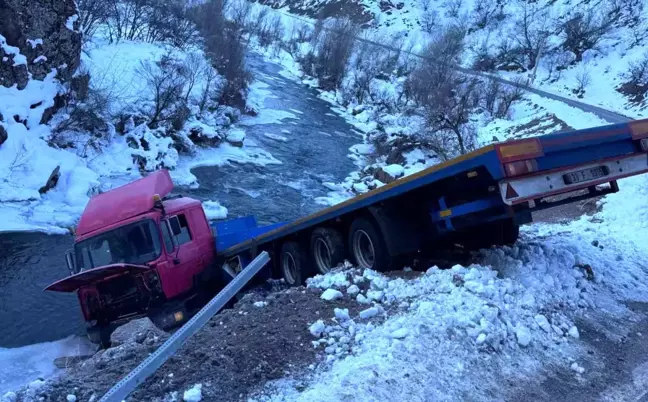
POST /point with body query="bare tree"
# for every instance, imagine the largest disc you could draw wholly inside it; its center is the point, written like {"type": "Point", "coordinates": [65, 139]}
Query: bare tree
{"type": "Point", "coordinates": [453, 8]}
{"type": "Point", "coordinates": [586, 29]}
{"type": "Point", "coordinates": [167, 78]}
{"type": "Point", "coordinates": [530, 33]}
{"type": "Point", "coordinates": [487, 13]}
{"type": "Point", "coordinates": [492, 91]}
{"type": "Point", "coordinates": [333, 52]}
{"type": "Point", "coordinates": [92, 13]}
{"type": "Point", "coordinates": [225, 47]}
{"type": "Point", "coordinates": [583, 80]}
{"type": "Point", "coordinates": [636, 81]}
{"type": "Point", "coordinates": [429, 17]}
{"type": "Point", "coordinates": [508, 96]}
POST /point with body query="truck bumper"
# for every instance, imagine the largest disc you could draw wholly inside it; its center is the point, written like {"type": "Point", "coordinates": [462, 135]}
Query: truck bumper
{"type": "Point", "coordinates": [545, 184]}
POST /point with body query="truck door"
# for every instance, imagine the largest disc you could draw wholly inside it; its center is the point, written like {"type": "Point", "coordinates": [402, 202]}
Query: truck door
{"type": "Point", "coordinates": [183, 257]}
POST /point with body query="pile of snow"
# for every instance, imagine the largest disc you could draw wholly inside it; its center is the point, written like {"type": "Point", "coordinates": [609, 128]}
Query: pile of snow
{"type": "Point", "coordinates": [214, 210]}
{"type": "Point", "coordinates": [194, 394]}
{"type": "Point", "coordinates": [511, 315]}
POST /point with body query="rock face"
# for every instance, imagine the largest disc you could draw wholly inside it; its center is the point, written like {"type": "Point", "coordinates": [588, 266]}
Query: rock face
{"type": "Point", "coordinates": [43, 32]}
{"type": "Point", "coordinates": [3, 134]}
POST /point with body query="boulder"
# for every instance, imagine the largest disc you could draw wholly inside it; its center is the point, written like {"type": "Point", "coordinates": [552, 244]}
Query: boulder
{"type": "Point", "coordinates": [40, 30]}
{"type": "Point", "coordinates": [52, 181]}
{"type": "Point", "coordinates": [389, 173]}
{"type": "Point", "coordinates": [3, 134]}
{"type": "Point", "coordinates": [136, 331]}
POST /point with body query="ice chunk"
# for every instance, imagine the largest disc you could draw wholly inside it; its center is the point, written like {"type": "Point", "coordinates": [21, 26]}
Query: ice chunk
{"type": "Point", "coordinates": [370, 312]}
{"type": "Point", "coordinates": [260, 304]}
{"type": "Point", "coordinates": [481, 338]}
{"type": "Point", "coordinates": [362, 299]}
{"type": "Point", "coordinates": [353, 290]}
{"type": "Point", "coordinates": [342, 314]}
{"type": "Point", "coordinates": [394, 170]}
{"type": "Point", "coordinates": [214, 210]}
{"type": "Point", "coordinates": [376, 295]}
{"type": "Point", "coordinates": [71, 398]}
{"type": "Point", "coordinates": [543, 323]}
{"type": "Point", "coordinates": [331, 294]}
{"type": "Point", "coordinates": [400, 333]}
{"type": "Point", "coordinates": [9, 397]}
{"type": "Point", "coordinates": [317, 328]}
{"type": "Point", "coordinates": [577, 368]}
{"type": "Point", "coordinates": [573, 332]}
{"type": "Point", "coordinates": [194, 394]}
{"type": "Point", "coordinates": [523, 336]}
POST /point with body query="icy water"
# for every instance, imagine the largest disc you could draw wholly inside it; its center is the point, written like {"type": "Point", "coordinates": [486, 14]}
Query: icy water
{"type": "Point", "coordinates": [312, 145]}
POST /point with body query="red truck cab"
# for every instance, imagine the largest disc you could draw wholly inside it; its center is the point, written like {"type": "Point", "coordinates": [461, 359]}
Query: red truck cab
{"type": "Point", "coordinates": [136, 250]}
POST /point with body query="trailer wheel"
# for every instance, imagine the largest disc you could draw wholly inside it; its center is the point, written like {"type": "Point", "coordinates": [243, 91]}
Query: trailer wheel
{"type": "Point", "coordinates": [293, 263]}
{"type": "Point", "coordinates": [367, 246]}
{"type": "Point", "coordinates": [327, 249]}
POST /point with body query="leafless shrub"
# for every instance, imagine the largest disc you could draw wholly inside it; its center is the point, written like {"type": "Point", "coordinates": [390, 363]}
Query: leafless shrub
{"type": "Point", "coordinates": [484, 59]}
{"type": "Point", "coordinates": [239, 12]}
{"type": "Point", "coordinates": [446, 97]}
{"type": "Point", "coordinates": [586, 29]}
{"type": "Point", "coordinates": [92, 13]}
{"type": "Point", "coordinates": [583, 80]}
{"type": "Point", "coordinates": [333, 52]}
{"type": "Point", "coordinates": [487, 13]}
{"type": "Point", "coordinates": [492, 91]}
{"type": "Point", "coordinates": [225, 47]}
{"type": "Point", "coordinates": [367, 63]}
{"type": "Point", "coordinates": [168, 80]}
{"type": "Point", "coordinates": [430, 16]}
{"type": "Point", "coordinates": [271, 32]}
{"type": "Point", "coordinates": [530, 34]}
{"type": "Point", "coordinates": [149, 20]}
{"type": "Point", "coordinates": [507, 97]}
{"type": "Point", "coordinates": [636, 81]}
{"type": "Point", "coordinates": [453, 8]}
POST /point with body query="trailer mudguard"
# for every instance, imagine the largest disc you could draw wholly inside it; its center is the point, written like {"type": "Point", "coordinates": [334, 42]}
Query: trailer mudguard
{"type": "Point", "coordinates": [401, 232]}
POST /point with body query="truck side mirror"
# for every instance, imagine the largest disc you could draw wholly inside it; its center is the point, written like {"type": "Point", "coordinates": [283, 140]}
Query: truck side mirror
{"type": "Point", "coordinates": [175, 226]}
{"type": "Point", "coordinates": [69, 259]}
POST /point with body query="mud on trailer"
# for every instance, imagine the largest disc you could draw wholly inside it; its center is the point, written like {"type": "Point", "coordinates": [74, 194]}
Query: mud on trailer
{"type": "Point", "coordinates": [140, 252]}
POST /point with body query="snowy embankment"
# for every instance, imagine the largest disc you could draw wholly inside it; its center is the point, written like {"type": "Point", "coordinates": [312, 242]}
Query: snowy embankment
{"type": "Point", "coordinates": [481, 332]}
{"type": "Point", "coordinates": [88, 163]}
{"type": "Point", "coordinates": [30, 364]}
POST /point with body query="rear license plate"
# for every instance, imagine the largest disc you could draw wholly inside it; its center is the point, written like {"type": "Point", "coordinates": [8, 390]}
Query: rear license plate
{"type": "Point", "coordinates": [585, 175]}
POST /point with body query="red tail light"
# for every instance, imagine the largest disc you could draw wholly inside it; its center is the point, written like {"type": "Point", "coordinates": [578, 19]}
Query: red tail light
{"type": "Point", "coordinates": [521, 167]}
{"type": "Point", "coordinates": [639, 129]}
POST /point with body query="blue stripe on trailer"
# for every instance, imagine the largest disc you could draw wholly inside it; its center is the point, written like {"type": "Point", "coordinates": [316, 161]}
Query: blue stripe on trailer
{"type": "Point", "coordinates": [482, 157]}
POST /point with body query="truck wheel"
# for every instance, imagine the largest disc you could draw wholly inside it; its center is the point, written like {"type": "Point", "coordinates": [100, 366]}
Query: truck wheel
{"type": "Point", "coordinates": [100, 335]}
{"type": "Point", "coordinates": [367, 246]}
{"type": "Point", "coordinates": [327, 249]}
{"type": "Point", "coordinates": [293, 263]}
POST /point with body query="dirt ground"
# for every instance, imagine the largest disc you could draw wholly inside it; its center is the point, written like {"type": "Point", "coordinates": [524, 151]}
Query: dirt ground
{"type": "Point", "coordinates": [236, 353]}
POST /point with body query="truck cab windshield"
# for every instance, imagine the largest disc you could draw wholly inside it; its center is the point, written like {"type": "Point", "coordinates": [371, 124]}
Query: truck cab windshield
{"type": "Point", "coordinates": [137, 243]}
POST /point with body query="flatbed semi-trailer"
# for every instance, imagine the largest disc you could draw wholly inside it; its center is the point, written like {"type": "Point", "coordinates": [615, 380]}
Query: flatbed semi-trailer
{"type": "Point", "coordinates": [139, 251]}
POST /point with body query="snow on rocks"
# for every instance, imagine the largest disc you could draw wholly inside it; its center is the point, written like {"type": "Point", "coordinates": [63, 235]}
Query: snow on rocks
{"type": "Point", "coordinates": [523, 336]}
{"type": "Point", "coordinates": [260, 304]}
{"type": "Point", "coordinates": [573, 332]}
{"type": "Point", "coordinates": [71, 398]}
{"type": "Point", "coordinates": [193, 394]}
{"type": "Point", "coordinates": [342, 314]}
{"type": "Point", "coordinates": [577, 368]}
{"type": "Point", "coordinates": [331, 294]}
{"type": "Point", "coordinates": [370, 312]}
{"type": "Point", "coordinates": [214, 210]}
{"type": "Point", "coordinates": [317, 328]}
{"type": "Point", "coordinates": [353, 290]}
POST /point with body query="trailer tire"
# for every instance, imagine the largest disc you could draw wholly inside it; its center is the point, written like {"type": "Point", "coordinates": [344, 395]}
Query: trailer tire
{"type": "Point", "coordinates": [293, 263]}
{"type": "Point", "coordinates": [327, 249]}
{"type": "Point", "coordinates": [367, 246]}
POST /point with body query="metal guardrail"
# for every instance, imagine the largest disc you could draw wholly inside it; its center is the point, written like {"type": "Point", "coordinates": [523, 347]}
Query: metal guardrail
{"type": "Point", "coordinates": [130, 382]}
